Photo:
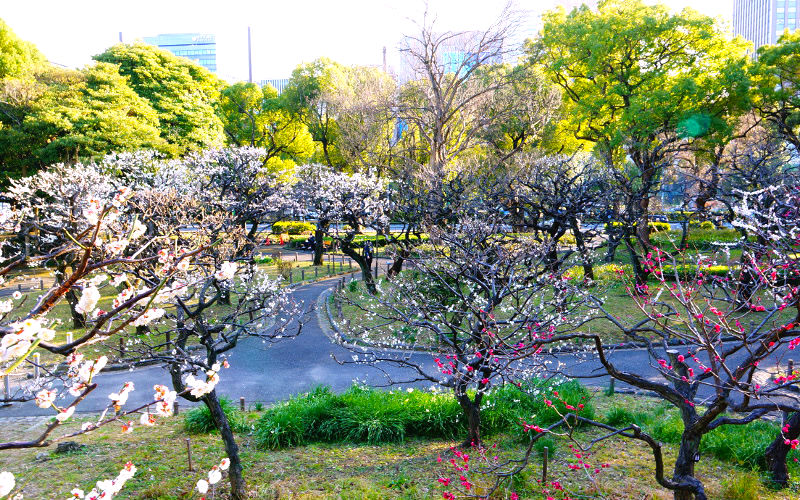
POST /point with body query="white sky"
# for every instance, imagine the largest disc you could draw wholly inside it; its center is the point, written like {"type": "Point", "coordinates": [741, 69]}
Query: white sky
{"type": "Point", "coordinates": [284, 32]}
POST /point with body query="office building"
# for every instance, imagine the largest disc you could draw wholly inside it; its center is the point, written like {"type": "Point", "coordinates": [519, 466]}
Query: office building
{"type": "Point", "coordinates": [199, 47]}
{"type": "Point", "coordinates": [278, 83]}
{"type": "Point", "coordinates": [764, 21]}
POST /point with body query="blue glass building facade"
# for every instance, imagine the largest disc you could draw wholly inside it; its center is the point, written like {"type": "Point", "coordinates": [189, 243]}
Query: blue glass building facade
{"type": "Point", "coordinates": [199, 47]}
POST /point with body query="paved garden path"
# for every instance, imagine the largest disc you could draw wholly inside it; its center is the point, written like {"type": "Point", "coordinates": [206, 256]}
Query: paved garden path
{"type": "Point", "coordinates": [269, 373]}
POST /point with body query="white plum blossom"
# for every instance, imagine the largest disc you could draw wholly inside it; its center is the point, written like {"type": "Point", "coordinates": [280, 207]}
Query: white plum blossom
{"type": "Point", "coordinates": [137, 231]}
{"type": "Point", "coordinates": [65, 414]}
{"type": "Point", "coordinates": [165, 400]}
{"type": "Point", "coordinates": [45, 398]}
{"type": "Point", "coordinates": [91, 368]}
{"type": "Point", "coordinates": [226, 271]}
{"type": "Point", "coordinates": [224, 464]}
{"type": "Point", "coordinates": [7, 483]}
{"type": "Point", "coordinates": [88, 300]}
{"type": "Point", "coordinates": [148, 317]}
{"type": "Point", "coordinates": [121, 397]}
{"type": "Point", "coordinates": [6, 306]}
{"type": "Point", "coordinates": [202, 486]}
{"type": "Point", "coordinates": [147, 420]}
{"type": "Point", "coordinates": [214, 475]}
{"type": "Point", "coordinates": [17, 343]}
{"type": "Point", "coordinates": [107, 489]}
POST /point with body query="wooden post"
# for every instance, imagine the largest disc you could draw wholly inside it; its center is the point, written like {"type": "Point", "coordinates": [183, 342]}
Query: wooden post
{"type": "Point", "coordinates": [169, 340]}
{"type": "Point", "coordinates": [19, 287]}
{"type": "Point", "coordinates": [350, 263]}
{"type": "Point", "coordinates": [611, 388]}
{"type": "Point", "coordinates": [6, 390]}
{"type": "Point", "coordinates": [121, 347]}
{"type": "Point", "coordinates": [175, 408]}
{"type": "Point", "coordinates": [36, 359]}
{"type": "Point", "coordinates": [69, 337]}
{"type": "Point", "coordinates": [291, 272]}
{"type": "Point", "coordinates": [545, 454]}
{"type": "Point", "coordinates": [241, 403]}
{"type": "Point", "coordinates": [189, 452]}
{"type": "Point", "coordinates": [302, 275]}
{"type": "Point", "coordinates": [41, 284]}
{"type": "Point", "coordinates": [295, 256]}
{"type": "Point", "coordinates": [316, 269]}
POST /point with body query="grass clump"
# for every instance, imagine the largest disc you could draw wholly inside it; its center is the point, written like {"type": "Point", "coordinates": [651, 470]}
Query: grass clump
{"type": "Point", "coordinates": [365, 415]}
{"type": "Point", "coordinates": [742, 486]}
{"type": "Point", "coordinates": [198, 420]}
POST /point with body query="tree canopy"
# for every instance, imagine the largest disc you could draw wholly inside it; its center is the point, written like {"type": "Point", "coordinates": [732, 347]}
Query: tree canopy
{"type": "Point", "coordinates": [257, 117]}
{"type": "Point", "coordinates": [182, 93]}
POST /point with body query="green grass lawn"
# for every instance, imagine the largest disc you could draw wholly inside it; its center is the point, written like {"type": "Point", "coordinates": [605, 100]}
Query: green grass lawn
{"type": "Point", "coordinates": [405, 470]}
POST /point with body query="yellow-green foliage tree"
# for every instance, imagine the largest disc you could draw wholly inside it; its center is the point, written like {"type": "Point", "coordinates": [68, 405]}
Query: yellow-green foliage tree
{"type": "Point", "coordinates": [640, 84]}
{"type": "Point", "coordinates": [257, 117]}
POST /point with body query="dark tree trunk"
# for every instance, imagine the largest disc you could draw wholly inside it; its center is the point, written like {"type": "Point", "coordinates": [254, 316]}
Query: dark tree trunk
{"type": "Point", "coordinates": [238, 488]}
{"type": "Point", "coordinates": [472, 410]}
{"type": "Point", "coordinates": [397, 263]}
{"type": "Point", "coordinates": [638, 271]}
{"type": "Point", "coordinates": [78, 319]}
{"type": "Point", "coordinates": [684, 468]}
{"type": "Point", "coordinates": [319, 241]}
{"type": "Point", "coordinates": [586, 259]}
{"type": "Point", "coordinates": [614, 240]}
{"type": "Point", "coordinates": [364, 264]}
{"type": "Point", "coordinates": [776, 452]}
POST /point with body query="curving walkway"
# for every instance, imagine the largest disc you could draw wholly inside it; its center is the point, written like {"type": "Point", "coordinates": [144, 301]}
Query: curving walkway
{"type": "Point", "coordinates": [269, 373]}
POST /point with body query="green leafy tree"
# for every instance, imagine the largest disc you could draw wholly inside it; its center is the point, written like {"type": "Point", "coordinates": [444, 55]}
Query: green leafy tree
{"type": "Point", "coordinates": [17, 57]}
{"type": "Point", "coordinates": [776, 77]}
{"type": "Point", "coordinates": [257, 117]}
{"type": "Point", "coordinates": [307, 95]}
{"type": "Point", "coordinates": [182, 93]}
{"type": "Point", "coordinates": [641, 84]}
{"type": "Point", "coordinates": [91, 114]}
{"type": "Point", "coordinates": [67, 115]}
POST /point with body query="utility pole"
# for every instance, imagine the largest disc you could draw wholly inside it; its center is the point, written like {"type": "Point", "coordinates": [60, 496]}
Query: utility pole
{"type": "Point", "coordinates": [249, 58]}
{"type": "Point", "coordinates": [120, 37]}
{"type": "Point", "coordinates": [384, 60]}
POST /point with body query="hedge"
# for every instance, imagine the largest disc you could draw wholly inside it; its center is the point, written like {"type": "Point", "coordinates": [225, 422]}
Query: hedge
{"type": "Point", "coordinates": [292, 227]}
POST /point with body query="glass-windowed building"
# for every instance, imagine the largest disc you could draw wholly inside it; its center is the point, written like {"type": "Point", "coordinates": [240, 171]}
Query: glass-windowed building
{"type": "Point", "coordinates": [278, 84]}
{"type": "Point", "coordinates": [764, 21]}
{"type": "Point", "coordinates": [199, 47]}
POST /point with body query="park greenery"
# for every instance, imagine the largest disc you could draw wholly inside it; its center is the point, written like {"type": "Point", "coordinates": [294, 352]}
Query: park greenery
{"type": "Point", "coordinates": [515, 217]}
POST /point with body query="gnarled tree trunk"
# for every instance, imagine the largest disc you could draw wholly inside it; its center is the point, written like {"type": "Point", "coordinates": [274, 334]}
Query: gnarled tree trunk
{"type": "Point", "coordinates": [775, 454]}
{"type": "Point", "coordinates": [238, 487]}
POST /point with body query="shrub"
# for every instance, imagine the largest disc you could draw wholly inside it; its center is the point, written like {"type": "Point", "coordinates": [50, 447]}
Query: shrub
{"type": "Point", "coordinates": [657, 227]}
{"type": "Point", "coordinates": [605, 273]}
{"type": "Point", "coordinates": [705, 224]}
{"type": "Point", "coordinates": [263, 259]}
{"type": "Point", "coordinates": [198, 420]}
{"type": "Point", "coordinates": [293, 227]}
